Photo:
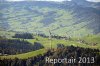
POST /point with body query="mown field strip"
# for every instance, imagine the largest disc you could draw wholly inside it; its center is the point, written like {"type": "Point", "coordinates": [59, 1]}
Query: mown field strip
{"type": "Point", "coordinates": [25, 55]}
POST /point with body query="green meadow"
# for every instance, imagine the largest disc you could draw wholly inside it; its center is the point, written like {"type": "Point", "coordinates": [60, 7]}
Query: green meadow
{"type": "Point", "coordinates": [48, 43]}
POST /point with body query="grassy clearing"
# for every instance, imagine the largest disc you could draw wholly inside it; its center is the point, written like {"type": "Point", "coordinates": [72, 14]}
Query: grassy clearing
{"type": "Point", "coordinates": [25, 55]}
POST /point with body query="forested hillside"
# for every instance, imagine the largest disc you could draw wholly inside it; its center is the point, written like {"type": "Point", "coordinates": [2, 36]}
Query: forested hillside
{"type": "Point", "coordinates": [65, 52]}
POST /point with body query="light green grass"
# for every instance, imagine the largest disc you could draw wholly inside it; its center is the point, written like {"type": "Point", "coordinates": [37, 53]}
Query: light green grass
{"type": "Point", "coordinates": [25, 55]}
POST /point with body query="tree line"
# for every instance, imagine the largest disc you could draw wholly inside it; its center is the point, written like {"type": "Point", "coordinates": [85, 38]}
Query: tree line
{"type": "Point", "coordinates": [17, 46]}
{"type": "Point", "coordinates": [23, 35]}
{"type": "Point", "coordinates": [55, 36]}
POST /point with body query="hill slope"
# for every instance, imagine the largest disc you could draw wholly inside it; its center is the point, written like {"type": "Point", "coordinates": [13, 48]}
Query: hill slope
{"type": "Point", "coordinates": [71, 18]}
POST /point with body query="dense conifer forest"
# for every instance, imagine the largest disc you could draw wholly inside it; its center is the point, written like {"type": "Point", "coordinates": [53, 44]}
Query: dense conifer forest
{"type": "Point", "coordinates": [60, 52]}
{"type": "Point", "coordinates": [17, 46]}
